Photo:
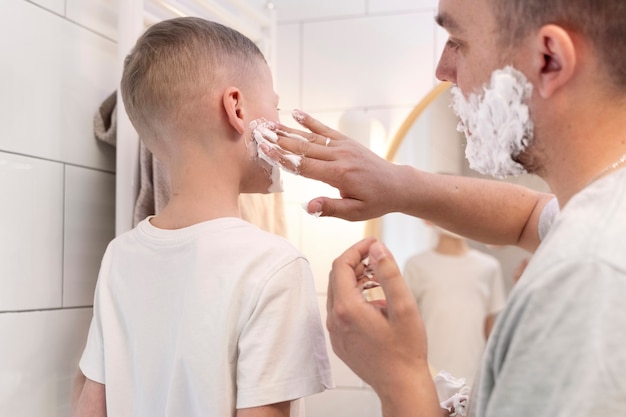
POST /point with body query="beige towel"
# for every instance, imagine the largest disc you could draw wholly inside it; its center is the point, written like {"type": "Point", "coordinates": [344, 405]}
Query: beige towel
{"type": "Point", "coordinates": [264, 210]}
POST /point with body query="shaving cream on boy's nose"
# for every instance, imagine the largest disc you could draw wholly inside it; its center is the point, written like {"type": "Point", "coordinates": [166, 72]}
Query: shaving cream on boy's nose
{"type": "Point", "coordinates": [263, 134]}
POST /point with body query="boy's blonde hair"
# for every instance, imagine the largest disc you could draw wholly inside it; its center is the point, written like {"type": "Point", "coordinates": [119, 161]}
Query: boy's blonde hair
{"type": "Point", "coordinates": [174, 64]}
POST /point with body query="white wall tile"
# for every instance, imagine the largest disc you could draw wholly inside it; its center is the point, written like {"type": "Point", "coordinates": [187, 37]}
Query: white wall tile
{"type": "Point", "coordinates": [288, 66]}
{"type": "Point", "coordinates": [368, 62]}
{"type": "Point", "coordinates": [89, 227]}
{"type": "Point", "coordinates": [40, 360]}
{"type": "Point", "coordinates": [289, 10]}
{"type": "Point", "coordinates": [386, 6]}
{"type": "Point", "coordinates": [57, 77]}
{"type": "Point", "coordinates": [97, 15]}
{"type": "Point", "coordinates": [323, 240]}
{"type": "Point", "coordinates": [31, 237]}
{"type": "Point", "coordinates": [56, 6]}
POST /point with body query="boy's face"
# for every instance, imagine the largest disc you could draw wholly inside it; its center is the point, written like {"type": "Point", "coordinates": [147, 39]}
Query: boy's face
{"type": "Point", "coordinates": [262, 104]}
{"type": "Point", "coordinates": [264, 99]}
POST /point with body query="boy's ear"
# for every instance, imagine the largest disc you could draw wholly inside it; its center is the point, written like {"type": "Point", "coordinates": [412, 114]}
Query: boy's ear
{"type": "Point", "coordinates": [233, 106]}
{"type": "Point", "coordinates": [557, 59]}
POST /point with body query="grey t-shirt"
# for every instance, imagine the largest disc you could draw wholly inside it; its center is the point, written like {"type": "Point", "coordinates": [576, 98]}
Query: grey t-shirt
{"type": "Point", "coordinates": [559, 346]}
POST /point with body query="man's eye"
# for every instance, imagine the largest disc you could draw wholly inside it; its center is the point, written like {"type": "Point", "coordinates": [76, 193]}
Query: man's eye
{"type": "Point", "coordinates": [452, 44]}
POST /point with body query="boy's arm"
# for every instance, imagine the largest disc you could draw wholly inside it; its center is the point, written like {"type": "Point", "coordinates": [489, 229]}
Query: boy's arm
{"type": "Point", "coordinates": [88, 398]}
{"type": "Point", "coordinates": [272, 410]}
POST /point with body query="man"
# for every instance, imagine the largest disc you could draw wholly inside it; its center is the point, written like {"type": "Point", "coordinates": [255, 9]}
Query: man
{"type": "Point", "coordinates": [558, 68]}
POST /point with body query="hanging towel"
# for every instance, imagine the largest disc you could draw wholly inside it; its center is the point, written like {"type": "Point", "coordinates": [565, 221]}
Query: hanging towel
{"type": "Point", "coordinates": [264, 210]}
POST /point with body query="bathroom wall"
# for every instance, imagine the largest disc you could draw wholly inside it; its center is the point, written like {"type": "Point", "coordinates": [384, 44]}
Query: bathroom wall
{"type": "Point", "coordinates": [57, 195]}
{"type": "Point", "coordinates": [349, 63]}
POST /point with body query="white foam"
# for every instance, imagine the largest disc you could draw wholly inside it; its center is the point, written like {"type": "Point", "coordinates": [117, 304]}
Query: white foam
{"type": "Point", "coordinates": [292, 135]}
{"type": "Point", "coordinates": [305, 206]}
{"type": "Point", "coordinates": [262, 134]}
{"type": "Point", "coordinates": [298, 116]}
{"type": "Point", "coordinates": [496, 122]}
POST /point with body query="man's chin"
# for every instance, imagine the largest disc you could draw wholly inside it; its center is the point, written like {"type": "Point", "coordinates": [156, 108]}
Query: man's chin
{"type": "Point", "coordinates": [528, 161]}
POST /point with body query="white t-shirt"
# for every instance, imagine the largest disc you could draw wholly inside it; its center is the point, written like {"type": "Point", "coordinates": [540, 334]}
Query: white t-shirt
{"type": "Point", "coordinates": [455, 294]}
{"type": "Point", "coordinates": [559, 347]}
{"type": "Point", "coordinates": [203, 320]}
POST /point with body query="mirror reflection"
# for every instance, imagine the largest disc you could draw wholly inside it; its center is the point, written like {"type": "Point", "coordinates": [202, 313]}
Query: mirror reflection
{"type": "Point", "coordinates": [429, 141]}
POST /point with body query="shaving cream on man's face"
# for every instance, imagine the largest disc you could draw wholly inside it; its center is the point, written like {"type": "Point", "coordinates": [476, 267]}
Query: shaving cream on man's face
{"type": "Point", "coordinates": [496, 122]}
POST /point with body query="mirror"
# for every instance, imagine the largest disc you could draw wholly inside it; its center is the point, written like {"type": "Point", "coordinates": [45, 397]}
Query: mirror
{"type": "Point", "coordinates": [429, 141]}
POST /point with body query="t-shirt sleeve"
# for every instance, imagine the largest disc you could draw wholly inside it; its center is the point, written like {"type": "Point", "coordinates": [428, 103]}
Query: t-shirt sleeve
{"type": "Point", "coordinates": [282, 349]}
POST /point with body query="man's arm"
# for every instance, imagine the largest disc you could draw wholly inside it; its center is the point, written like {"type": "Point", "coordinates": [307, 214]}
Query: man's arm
{"type": "Point", "coordinates": [88, 398]}
{"type": "Point", "coordinates": [488, 211]}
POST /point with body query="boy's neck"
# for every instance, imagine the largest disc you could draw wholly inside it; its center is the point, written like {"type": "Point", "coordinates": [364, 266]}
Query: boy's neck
{"type": "Point", "coordinates": [192, 206]}
{"type": "Point", "coordinates": [452, 246]}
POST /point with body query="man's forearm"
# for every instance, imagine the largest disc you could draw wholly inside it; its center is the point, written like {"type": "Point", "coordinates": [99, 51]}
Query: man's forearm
{"type": "Point", "coordinates": [488, 211]}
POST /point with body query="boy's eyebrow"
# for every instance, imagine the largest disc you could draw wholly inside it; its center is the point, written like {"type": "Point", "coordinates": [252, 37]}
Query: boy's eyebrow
{"type": "Point", "coordinates": [447, 22]}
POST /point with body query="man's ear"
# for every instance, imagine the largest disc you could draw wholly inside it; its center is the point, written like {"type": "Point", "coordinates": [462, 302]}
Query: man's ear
{"type": "Point", "coordinates": [557, 59]}
{"type": "Point", "coordinates": [233, 106]}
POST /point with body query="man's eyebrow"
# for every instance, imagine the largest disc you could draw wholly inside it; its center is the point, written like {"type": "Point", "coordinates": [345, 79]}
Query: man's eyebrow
{"type": "Point", "coordinates": [447, 22]}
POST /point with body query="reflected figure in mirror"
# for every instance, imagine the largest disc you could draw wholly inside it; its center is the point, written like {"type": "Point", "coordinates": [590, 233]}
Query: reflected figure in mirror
{"type": "Point", "coordinates": [459, 292]}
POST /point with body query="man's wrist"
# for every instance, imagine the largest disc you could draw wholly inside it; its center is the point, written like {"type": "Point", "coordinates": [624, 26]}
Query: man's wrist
{"type": "Point", "coordinates": [411, 394]}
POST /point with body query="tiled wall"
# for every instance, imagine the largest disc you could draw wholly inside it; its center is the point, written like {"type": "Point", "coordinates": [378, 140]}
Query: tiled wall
{"type": "Point", "coordinates": [367, 60]}
{"type": "Point", "coordinates": [58, 198]}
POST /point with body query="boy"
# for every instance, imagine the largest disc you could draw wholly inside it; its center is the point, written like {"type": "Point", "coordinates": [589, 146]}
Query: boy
{"type": "Point", "coordinates": [196, 312]}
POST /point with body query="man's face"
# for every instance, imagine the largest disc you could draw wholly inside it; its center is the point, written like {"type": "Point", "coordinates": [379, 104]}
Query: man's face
{"type": "Point", "coordinates": [470, 55]}
{"type": "Point", "coordinates": [491, 97]}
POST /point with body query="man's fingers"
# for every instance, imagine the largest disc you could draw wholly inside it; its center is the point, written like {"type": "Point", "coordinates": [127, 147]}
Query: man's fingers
{"type": "Point", "coordinates": [387, 272]}
{"type": "Point", "coordinates": [342, 208]}
{"type": "Point", "coordinates": [342, 282]}
{"type": "Point", "coordinates": [316, 126]}
{"type": "Point", "coordinates": [308, 144]}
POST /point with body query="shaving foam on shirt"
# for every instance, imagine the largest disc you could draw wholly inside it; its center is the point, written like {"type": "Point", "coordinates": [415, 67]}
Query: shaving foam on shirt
{"type": "Point", "coordinates": [496, 122]}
